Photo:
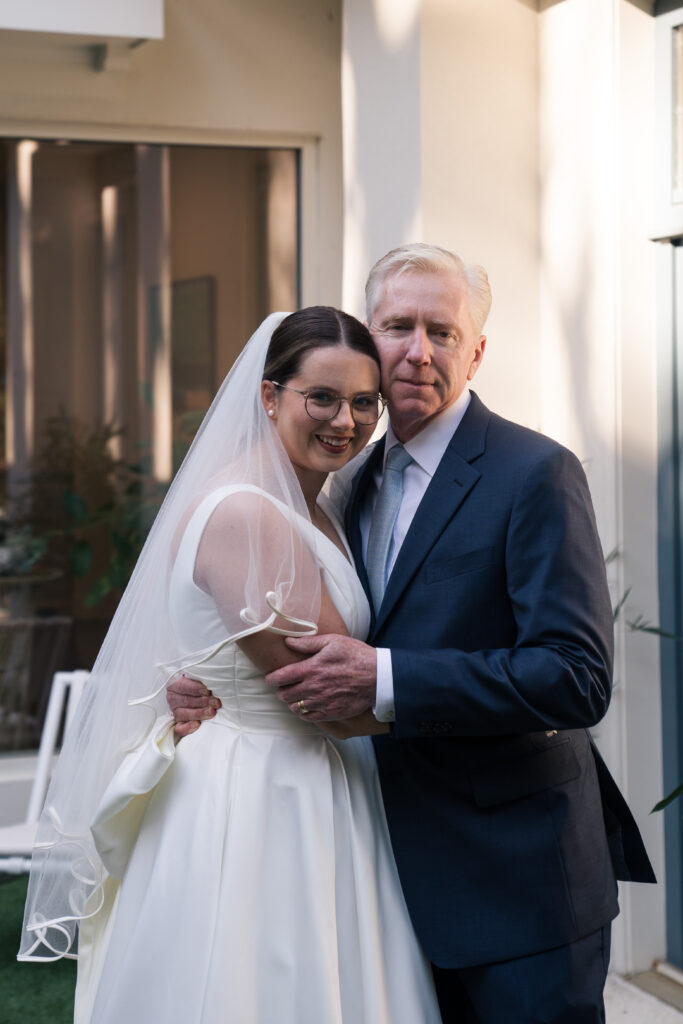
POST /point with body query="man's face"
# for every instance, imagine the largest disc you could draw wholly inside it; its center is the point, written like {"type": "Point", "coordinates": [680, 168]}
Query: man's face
{"type": "Point", "coordinates": [428, 346]}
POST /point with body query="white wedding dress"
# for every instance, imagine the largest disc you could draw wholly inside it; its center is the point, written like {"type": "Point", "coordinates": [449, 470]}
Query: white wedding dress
{"type": "Point", "coordinates": [259, 885]}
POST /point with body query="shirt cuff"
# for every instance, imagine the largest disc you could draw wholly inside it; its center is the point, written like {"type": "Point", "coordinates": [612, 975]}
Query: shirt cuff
{"type": "Point", "coordinates": [384, 697]}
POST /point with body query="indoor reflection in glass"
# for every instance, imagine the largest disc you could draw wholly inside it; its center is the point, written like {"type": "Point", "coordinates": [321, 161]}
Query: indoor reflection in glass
{"type": "Point", "coordinates": [129, 277]}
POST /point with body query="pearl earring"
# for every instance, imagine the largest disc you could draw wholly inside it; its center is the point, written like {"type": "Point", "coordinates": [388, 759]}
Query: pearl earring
{"type": "Point", "coordinates": [271, 412]}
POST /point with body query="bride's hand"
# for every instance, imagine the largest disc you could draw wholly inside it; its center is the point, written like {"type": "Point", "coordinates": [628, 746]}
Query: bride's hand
{"type": "Point", "coordinates": [190, 703]}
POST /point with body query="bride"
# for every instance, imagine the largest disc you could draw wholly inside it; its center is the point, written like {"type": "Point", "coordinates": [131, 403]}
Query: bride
{"type": "Point", "coordinates": [245, 875]}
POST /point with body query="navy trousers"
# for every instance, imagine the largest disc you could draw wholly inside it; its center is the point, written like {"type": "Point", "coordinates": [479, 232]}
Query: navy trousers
{"type": "Point", "coordinates": [558, 986]}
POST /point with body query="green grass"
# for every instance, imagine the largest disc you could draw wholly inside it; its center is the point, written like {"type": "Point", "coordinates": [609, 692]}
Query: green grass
{"type": "Point", "coordinates": [29, 993]}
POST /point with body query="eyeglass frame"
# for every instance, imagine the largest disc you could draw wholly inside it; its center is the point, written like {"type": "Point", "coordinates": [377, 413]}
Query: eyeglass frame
{"type": "Point", "coordinates": [382, 403]}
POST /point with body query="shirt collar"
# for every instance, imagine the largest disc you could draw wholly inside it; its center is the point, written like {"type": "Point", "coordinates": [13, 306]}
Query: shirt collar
{"type": "Point", "coordinates": [427, 447]}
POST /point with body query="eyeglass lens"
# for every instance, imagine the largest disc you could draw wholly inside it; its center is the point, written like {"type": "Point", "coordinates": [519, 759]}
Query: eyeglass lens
{"type": "Point", "coordinates": [325, 405]}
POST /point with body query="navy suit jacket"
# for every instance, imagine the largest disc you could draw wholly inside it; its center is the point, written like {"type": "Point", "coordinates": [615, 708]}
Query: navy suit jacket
{"type": "Point", "coordinates": [507, 829]}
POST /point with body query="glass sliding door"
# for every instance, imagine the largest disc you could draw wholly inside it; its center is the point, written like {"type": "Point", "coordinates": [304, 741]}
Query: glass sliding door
{"type": "Point", "coordinates": [130, 277]}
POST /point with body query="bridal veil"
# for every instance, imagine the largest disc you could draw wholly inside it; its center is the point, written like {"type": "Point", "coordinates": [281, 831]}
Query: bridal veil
{"type": "Point", "coordinates": [270, 571]}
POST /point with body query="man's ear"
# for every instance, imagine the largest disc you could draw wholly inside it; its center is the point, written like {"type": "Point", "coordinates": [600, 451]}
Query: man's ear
{"type": "Point", "coordinates": [478, 356]}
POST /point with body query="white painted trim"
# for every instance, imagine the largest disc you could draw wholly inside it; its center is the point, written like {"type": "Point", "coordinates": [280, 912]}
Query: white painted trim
{"type": "Point", "coordinates": [101, 131]}
{"type": "Point", "coordinates": [310, 243]}
{"type": "Point", "coordinates": [668, 215]}
{"type": "Point", "coordinates": [668, 970]}
{"type": "Point", "coordinates": [132, 19]}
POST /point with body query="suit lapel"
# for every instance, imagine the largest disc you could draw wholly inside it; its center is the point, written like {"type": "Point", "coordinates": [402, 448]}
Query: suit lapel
{"type": "Point", "coordinates": [359, 488]}
{"type": "Point", "coordinates": [452, 482]}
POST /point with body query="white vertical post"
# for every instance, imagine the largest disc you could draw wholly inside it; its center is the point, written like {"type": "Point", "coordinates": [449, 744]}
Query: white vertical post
{"type": "Point", "coordinates": [382, 154]}
{"type": "Point", "coordinates": [20, 424]}
{"type": "Point", "coordinates": [154, 297]}
{"type": "Point", "coordinates": [598, 392]}
{"type": "Point", "coordinates": [112, 340]}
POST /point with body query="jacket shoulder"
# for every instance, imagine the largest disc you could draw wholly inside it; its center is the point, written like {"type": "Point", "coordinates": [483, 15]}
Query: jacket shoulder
{"type": "Point", "coordinates": [524, 446]}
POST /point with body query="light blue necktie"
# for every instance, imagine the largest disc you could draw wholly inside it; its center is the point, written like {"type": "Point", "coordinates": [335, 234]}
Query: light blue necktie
{"type": "Point", "coordinates": [383, 519]}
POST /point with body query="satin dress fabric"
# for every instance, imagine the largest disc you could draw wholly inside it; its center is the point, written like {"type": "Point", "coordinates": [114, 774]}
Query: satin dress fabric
{"type": "Point", "coordinates": [258, 882]}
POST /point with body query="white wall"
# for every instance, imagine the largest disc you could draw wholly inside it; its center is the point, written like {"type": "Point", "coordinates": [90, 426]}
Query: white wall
{"type": "Point", "coordinates": [534, 131]}
{"type": "Point", "coordinates": [640, 734]}
{"type": "Point", "coordinates": [598, 376]}
{"type": "Point", "coordinates": [441, 145]}
{"type": "Point", "coordinates": [479, 107]}
{"type": "Point", "coordinates": [381, 81]}
{"type": "Point", "coordinates": [248, 72]}
{"type": "Point", "coordinates": [440, 139]}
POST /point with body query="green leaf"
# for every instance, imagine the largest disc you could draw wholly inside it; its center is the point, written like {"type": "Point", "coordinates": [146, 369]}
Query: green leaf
{"type": "Point", "coordinates": [123, 547]}
{"type": "Point", "coordinates": [74, 506]}
{"type": "Point", "coordinates": [678, 791]}
{"type": "Point", "coordinates": [641, 625]}
{"type": "Point", "coordinates": [97, 592]}
{"type": "Point", "coordinates": [80, 557]}
{"type": "Point", "coordinates": [39, 546]}
{"type": "Point", "coordinates": [613, 554]}
{"type": "Point", "coordinates": [119, 572]}
{"type": "Point", "coordinates": [620, 604]}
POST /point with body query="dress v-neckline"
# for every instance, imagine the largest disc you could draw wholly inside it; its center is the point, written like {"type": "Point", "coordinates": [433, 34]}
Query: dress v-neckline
{"type": "Point", "coordinates": [328, 511]}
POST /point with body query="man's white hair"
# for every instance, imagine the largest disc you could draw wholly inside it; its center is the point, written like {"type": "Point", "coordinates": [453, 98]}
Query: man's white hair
{"type": "Point", "coordinates": [430, 259]}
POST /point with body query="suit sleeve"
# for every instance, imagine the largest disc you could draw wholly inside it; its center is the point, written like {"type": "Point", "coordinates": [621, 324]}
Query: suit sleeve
{"type": "Point", "coordinates": [557, 675]}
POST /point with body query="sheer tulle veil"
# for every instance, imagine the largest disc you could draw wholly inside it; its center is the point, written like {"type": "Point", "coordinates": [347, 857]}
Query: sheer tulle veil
{"type": "Point", "coordinates": [237, 445]}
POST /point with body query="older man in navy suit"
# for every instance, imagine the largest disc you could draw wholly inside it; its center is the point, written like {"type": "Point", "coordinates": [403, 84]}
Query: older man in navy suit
{"type": "Point", "coordinates": [490, 653]}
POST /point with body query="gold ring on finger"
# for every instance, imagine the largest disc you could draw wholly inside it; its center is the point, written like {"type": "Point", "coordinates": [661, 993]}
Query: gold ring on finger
{"type": "Point", "coordinates": [301, 707]}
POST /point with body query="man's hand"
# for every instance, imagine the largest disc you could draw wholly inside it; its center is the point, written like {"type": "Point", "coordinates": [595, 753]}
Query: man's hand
{"type": "Point", "coordinates": [337, 680]}
{"type": "Point", "coordinates": [190, 702]}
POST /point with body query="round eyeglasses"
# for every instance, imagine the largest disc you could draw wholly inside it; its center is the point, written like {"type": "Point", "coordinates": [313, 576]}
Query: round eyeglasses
{"type": "Point", "coordinates": [324, 405]}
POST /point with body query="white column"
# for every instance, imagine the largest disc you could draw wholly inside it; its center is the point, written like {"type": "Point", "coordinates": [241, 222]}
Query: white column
{"type": "Point", "coordinates": [381, 135]}
{"type": "Point", "coordinates": [112, 328]}
{"type": "Point", "coordinates": [280, 216]}
{"type": "Point", "coordinates": [154, 304]}
{"type": "Point", "coordinates": [598, 376]}
{"type": "Point", "coordinates": [20, 422]}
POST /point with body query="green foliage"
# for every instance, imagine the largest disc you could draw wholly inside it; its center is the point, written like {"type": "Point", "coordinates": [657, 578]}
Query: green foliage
{"type": "Point", "coordinates": [79, 554]}
{"type": "Point", "coordinates": [75, 507]}
{"type": "Point", "coordinates": [89, 512]}
{"type": "Point", "coordinates": [678, 791]}
{"type": "Point", "coordinates": [641, 625]}
{"type": "Point", "coordinates": [20, 550]}
{"type": "Point", "coordinates": [616, 611]}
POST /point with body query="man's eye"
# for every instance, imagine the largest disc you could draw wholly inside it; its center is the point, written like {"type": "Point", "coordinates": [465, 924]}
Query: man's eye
{"type": "Point", "coordinates": [323, 398]}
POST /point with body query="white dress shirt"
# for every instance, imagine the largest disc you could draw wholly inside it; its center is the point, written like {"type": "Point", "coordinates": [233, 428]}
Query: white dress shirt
{"type": "Point", "coordinates": [426, 449]}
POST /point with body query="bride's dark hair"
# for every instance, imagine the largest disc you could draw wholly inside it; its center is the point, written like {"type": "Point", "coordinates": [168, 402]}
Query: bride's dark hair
{"type": "Point", "coordinates": [311, 328]}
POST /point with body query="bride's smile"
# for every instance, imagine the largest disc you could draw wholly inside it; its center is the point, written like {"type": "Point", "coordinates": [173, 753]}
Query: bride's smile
{"type": "Point", "coordinates": [326, 413]}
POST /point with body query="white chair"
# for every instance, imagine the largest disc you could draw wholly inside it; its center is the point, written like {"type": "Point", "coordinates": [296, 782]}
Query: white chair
{"type": "Point", "coordinates": [31, 650]}
{"type": "Point", "coordinates": [16, 841]}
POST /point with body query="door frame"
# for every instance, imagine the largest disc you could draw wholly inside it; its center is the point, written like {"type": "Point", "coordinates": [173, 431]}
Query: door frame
{"type": "Point", "coordinates": [670, 550]}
